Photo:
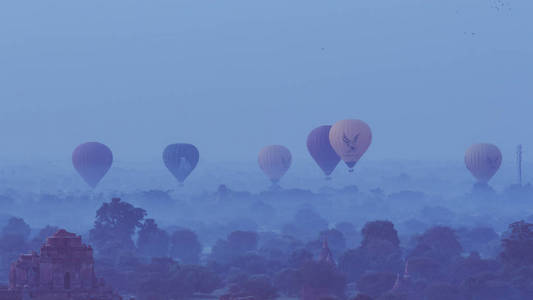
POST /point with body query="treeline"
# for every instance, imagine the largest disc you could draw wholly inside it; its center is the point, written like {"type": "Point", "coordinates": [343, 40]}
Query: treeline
{"type": "Point", "coordinates": [138, 258]}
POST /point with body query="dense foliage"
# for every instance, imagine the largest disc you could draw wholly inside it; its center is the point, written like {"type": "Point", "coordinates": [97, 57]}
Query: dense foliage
{"type": "Point", "coordinates": [378, 261]}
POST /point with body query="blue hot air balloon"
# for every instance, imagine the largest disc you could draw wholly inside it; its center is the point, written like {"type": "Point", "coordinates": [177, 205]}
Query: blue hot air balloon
{"type": "Point", "coordinates": [321, 150]}
{"type": "Point", "coordinates": [180, 159]}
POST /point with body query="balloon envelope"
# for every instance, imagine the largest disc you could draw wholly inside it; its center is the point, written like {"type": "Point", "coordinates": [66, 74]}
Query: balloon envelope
{"type": "Point", "coordinates": [275, 160]}
{"type": "Point", "coordinates": [180, 160]}
{"type": "Point", "coordinates": [92, 160]}
{"type": "Point", "coordinates": [320, 149]}
{"type": "Point", "coordinates": [483, 161]}
{"type": "Point", "coordinates": [350, 139]}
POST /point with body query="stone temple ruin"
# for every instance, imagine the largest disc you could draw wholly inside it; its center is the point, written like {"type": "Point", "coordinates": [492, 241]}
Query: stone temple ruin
{"type": "Point", "coordinates": [64, 270]}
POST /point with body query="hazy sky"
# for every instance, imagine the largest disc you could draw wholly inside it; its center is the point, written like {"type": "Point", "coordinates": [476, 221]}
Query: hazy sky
{"type": "Point", "coordinates": [430, 77]}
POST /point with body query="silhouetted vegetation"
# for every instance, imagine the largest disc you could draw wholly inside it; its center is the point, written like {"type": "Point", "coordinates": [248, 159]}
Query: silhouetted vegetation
{"type": "Point", "coordinates": [300, 255]}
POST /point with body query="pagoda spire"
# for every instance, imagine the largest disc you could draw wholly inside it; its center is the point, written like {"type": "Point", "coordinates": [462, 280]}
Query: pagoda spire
{"type": "Point", "coordinates": [325, 254]}
{"type": "Point", "coordinates": [397, 284]}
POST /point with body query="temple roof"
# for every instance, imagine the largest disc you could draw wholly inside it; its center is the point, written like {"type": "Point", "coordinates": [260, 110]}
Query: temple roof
{"type": "Point", "coordinates": [63, 239]}
{"type": "Point", "coordinates": [64, 233]}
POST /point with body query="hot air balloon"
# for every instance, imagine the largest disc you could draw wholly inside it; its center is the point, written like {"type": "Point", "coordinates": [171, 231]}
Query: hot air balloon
{"type": "Point", "coordinates": [92, 160]}
{"type": "Point", "coordinates": [320, 149]}
{"type": "Point", "coordinates": [180, 160]}
{"type": "Point", "coordinates": [275, 160]}
{"type": "Point", "coordinates": [350, 139]}
{"type": "Point", "coordinates": [483, 161]}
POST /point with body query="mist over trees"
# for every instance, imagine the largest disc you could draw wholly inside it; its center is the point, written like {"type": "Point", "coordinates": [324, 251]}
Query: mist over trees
{"type": "Point", "coordinates": [333, 244]}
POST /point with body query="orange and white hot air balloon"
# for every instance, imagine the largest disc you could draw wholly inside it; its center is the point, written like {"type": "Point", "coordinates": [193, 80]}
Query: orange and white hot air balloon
{"type": "Point", "coordinates": [350, 139]}
{"type": "Point", "coordinates": [275, 160]}
{"type": "Point", "coordinates": [483, 161]}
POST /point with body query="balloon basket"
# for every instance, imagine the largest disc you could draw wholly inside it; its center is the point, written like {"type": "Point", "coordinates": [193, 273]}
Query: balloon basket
{"type": "Point", "coordinates": [350, 171]}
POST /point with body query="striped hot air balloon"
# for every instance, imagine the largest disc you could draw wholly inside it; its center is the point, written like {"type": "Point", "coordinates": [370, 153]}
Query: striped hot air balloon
{"type": "Point", "coordinates": [483, 161]}
{"type": "Point", "coordinates": [275, 160]}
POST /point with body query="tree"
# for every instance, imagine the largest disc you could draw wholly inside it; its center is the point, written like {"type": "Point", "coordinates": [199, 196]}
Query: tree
{"type": "Point", "coordinates": [41, 237]}
{"type": "Point", "coordinates": [439, 243]}
{"type": "Point", "coordinates": [322, 279]}
{"type": "Point", "coordinates": [14, 237]}
{"type": "Point", "coordinates": [278, 247]}
{"type": "Point", "coordinates": [289, 281]}
{"type": "Point", "coordinates": [252, 263]}
{"type": "Point", "coordinates": [353, 263]}
{"type": "Point", "coordinates": [152, 241]}
{"type": "Point", "coordinates": [243, 241]}
{"type": "Point", "coordinates": [424, 268]}
{"type": "Point", "coordinates": [471, 266]}
{"type": "Point", "coordinates": [443, 291]}
{"type": "Point", "coordinates": [153, 281]}
{"type": "Point", "coordinates": [184, 245]}
{"type": "Point", "coordinates": [488, 286]}
{"type": "Point", "coordinates": [382, 255]}
{"type": "Point", "coordinates": [375, 284]}
{"type": "Point", "coordinates": [114, 227]}
{"type": "Point", "coordinates": [379, 251]}
{"type": "Point", "coordinates": [518, 245]}
{"type": "Point", "coordinates": [164, 278]}
{"type": "Point", "coordinates": [237, 244]}
{"type": "Point", "coordinates": [380, 230]}
{"type": "Point", "coordinates": [300, 257]}
{"type": "Point", "coordinates": [13, 242]}
{"type": "Point", "coordinates": [17, 226]}
{"type": "Point", "coordinates": [201, 279]}
{"type": "Point", "coordinates": [257, 287]}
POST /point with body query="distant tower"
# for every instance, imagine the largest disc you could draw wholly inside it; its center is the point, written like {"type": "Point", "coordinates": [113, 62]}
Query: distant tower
{"type": "Point", "coordinates": [406, 271]}
{"type": "Point", "coordinates": [402, 283]}
{"type": "Point", "coordinates": [519, 163]}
